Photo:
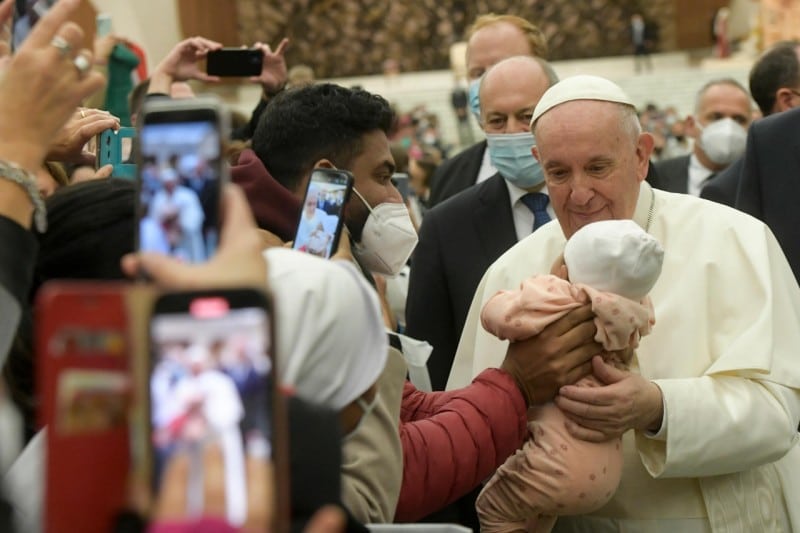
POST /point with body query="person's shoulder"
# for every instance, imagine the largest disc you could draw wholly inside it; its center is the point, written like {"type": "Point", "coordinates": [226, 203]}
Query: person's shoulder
{"type": "Point", "coordinates": [705, 214]}
{"type": "Point", "coordinates": [464, 157]}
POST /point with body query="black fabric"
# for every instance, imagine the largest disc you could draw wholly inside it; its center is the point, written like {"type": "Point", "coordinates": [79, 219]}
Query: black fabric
{"type": "Point", "coordinates": [315, 463]}
{"type": "Point", "coordinates": [456, 174]}
{"type": "Point", "coordinates": [17, 255]}
{"type": "Point", "coordinates": [721, 188]}
{"type": "Point", "coordinates": [769, 186]}
{"type": "Point", "coordinates": [91, 226]}
{"type": "Point", "coordinates": [459, 239]}
{"type": "Point", "coordinates": [673, 174]}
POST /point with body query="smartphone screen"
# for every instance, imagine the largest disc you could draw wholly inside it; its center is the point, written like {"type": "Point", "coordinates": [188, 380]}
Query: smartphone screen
{"type": "Point", "coordinates": [234, 62]}
{"type": "Point", "coordinates": [322, 217]}
{"type": "Point", "coordinates": [180, 173]}
{"type": "Point", "coordinates": [210, 389]}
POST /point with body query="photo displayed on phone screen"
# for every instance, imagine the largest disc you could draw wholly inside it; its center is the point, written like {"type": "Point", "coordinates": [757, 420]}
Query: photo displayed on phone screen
{"type": "Point", "coordinates": [210, 392]}
{"type": "Point", "coordinates": [321, 217]}
{"type": "Point", "coordinates": [180, 180]}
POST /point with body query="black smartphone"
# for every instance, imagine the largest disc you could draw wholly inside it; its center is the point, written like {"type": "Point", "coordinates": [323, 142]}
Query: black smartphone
{"type": "Point", "coordinates": [212, 395]}
{"type": "Point", "coordinates": [322, 217]}
{"type": "Point", "coordinates": [181, 171]}
{"type": "Point", "coordinates": [234, 62]}
{"type": "Point", "coordinates": [401, 181]}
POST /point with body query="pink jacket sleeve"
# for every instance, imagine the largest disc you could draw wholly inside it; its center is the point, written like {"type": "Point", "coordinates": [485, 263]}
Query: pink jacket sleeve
{"type": "Point", "coordinates": [455, 439]}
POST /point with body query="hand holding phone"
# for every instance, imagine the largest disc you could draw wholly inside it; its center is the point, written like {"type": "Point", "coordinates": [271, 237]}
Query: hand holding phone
{"type": "Point", "coordinates": [322, 217]}
{"type": "Point", "coordinates": [181, 171]}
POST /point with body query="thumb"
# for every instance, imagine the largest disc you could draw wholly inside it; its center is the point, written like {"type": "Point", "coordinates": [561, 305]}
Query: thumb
{"type": "Point", "coordinates": [605, 372]}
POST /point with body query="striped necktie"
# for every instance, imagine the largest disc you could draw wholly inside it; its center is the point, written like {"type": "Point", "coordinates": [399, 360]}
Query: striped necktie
{"type": "Point", "coordinates": [537, 203]}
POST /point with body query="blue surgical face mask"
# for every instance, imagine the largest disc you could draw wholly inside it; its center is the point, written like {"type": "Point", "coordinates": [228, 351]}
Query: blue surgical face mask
{"type": "Point", "coordinates": [474, 99]}
{"type": "Point", "coordinates": [511, 156]}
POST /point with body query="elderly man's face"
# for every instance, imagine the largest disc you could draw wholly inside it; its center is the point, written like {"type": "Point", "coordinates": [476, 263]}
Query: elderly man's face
{"type": "Point", "coordinates": [508, 96]}
{"type": "Point", "coordinates": [592, 163]}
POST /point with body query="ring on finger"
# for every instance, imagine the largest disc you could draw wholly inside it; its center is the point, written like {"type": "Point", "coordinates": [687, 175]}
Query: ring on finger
{"type": "Point", "coordinates": [83, 65]}
{"type": "Point", "coordinates": [64, 48]}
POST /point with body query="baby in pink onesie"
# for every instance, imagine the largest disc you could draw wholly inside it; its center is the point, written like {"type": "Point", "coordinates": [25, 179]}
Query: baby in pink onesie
{"type": "Point", "coordinates": [612, 264]}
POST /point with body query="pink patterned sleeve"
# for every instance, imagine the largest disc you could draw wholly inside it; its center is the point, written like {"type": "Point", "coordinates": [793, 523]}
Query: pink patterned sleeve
{"type": "Point", "coordinates": [520, 314]}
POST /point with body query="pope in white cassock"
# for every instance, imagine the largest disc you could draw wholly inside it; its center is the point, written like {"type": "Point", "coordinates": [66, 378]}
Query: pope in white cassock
{"type": "Point", "coordinates": [710, 409]}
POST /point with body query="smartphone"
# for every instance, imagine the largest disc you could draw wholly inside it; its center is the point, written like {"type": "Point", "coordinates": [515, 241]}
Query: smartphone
{"type": "Point", "coordinates": [102, 24]}
{"type": "Point", "coordinates": [212, 391]}
{"type": "Point", "coordinates": [82, 361]}
{"type": "Point", "coordinates": [401, 181]}
{"type": "Point", "coordinates": [180, 174]}
{"type": "Point", "coordinates": [234, 62]}
{"type": "Point", "coordinates": [322, 217]}
{"type": "Point", "coordinates": [114, 148]}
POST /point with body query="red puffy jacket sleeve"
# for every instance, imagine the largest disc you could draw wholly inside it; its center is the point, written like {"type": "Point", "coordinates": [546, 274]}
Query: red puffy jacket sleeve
{"type": "Point", "coordinates": [453, 440]}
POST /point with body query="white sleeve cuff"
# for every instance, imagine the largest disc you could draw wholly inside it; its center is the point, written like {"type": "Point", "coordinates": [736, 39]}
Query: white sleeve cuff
{"type": "Point", "coordinates": [661, 434]}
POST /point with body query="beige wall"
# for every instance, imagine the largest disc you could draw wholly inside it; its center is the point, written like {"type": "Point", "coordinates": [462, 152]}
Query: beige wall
{"type": "Point", "coordinates": [152, 24]}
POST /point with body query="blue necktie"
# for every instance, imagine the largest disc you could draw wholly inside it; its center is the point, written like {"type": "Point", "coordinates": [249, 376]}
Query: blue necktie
{"type": "Point", "coordinates": [537, 203]}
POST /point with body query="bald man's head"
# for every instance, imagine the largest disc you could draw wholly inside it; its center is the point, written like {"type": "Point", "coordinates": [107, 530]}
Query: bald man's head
{"type": "Point", "coordinates": [510, 90]}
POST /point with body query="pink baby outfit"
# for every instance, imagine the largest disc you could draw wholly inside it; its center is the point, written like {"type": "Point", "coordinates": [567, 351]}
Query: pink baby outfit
{"type": "Point", "coordinates": [554, 473]}
{"type": "Point", "coordinates": [613, 264]}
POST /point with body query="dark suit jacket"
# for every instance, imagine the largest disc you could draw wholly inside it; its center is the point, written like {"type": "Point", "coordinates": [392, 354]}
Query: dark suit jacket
{"type": "Point", "coordinates": [770, 182]}
{"type": "Point", "coordinates": [722, 187]}
{"type": "Point", "coordinates": [459, 239]}
{"type": "Point", "coordinates": [673, 174]}
{"type": "Point", "coordinates": [457, 173]}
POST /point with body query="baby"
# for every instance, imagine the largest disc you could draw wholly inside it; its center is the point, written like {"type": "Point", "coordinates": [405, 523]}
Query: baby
{"type": "Point", "coordinates": [612, 264]}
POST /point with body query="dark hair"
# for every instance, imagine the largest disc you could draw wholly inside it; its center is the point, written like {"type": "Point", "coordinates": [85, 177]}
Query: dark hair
{"type": "Point", "coordinates": [91, 226]}
{"type": "Point", "coordinates": [324, 121]}
{"type": "Point", "coordinates": [777, 68]}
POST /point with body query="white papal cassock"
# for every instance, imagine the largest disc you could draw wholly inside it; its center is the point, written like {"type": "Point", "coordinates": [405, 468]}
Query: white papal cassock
{"type": "Point", "coordinates": [725, 351]}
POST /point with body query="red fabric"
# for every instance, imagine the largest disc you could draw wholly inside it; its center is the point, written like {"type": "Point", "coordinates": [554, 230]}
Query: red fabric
{"type": "Point", "coordinates": [274, 207]}
{"type": "Point", "coordinates": [141, 68]}
{"type": "Point", "coordinates": [453, 440]}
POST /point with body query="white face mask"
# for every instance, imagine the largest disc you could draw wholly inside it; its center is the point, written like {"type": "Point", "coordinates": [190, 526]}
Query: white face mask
{"type": "Point", "coordinates": [387, 240]}
{"type": "Point", "coordinates": [723, 141]}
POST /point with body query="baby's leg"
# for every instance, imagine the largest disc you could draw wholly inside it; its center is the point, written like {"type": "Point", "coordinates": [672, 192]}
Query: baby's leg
{"type": "Point", "coordinates": [553, 474]}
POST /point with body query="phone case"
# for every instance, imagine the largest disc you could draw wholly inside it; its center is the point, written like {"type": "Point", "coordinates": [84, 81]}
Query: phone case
{"type": "Point", "coordinates": [110, 150]}
{"type": "Point", "coordinates": [83, 380]}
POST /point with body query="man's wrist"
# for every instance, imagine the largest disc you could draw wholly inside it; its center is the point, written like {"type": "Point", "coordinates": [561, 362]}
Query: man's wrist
{"type": "Point", "coordinates": [509, 367]}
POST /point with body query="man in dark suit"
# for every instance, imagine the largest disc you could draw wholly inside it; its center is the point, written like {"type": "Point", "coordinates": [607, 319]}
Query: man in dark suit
{"type": "Point", "coordinates": [719, 127]}
{"type": "Point", "coordinates": [461, 237]}
{"type": "Point", "coordinates": [775, 86]}
{"type": "Point", "coordinates": [770, 180]}
{"type": "Point", "coordinates": [490, 39]}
